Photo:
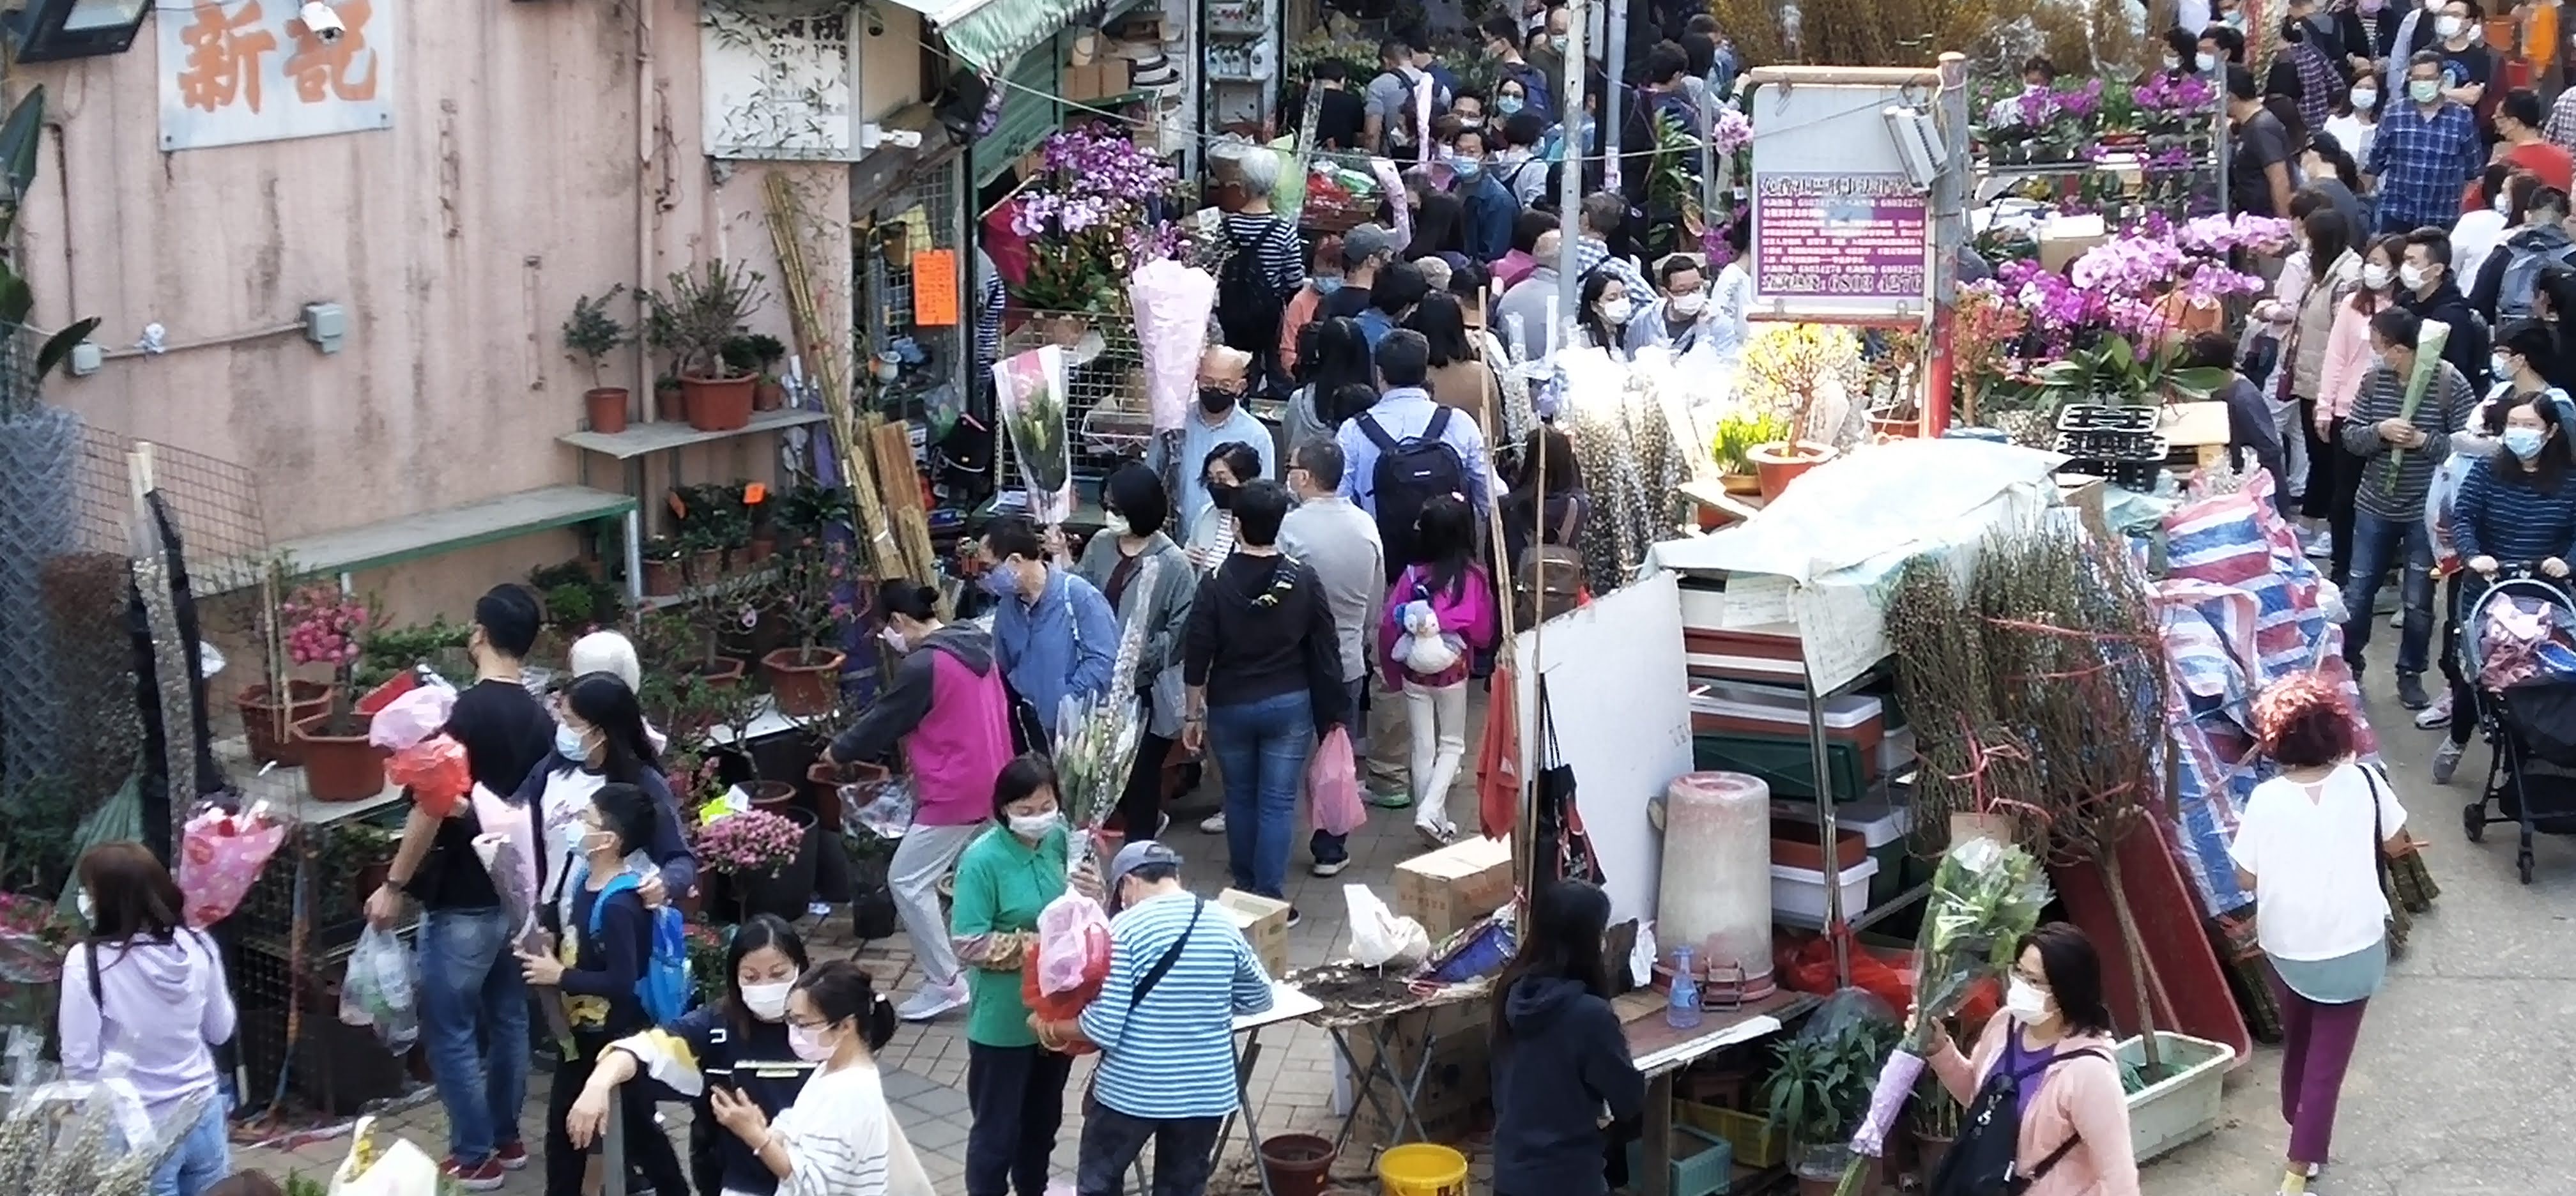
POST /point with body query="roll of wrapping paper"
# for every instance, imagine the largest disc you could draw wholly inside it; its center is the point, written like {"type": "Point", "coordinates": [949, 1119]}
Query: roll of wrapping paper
{"type": "Point", "coordinates": [2429, 342]}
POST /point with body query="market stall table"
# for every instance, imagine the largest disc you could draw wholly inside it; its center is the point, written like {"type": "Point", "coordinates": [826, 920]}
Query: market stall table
{"type": "Point", "coordinates": [1661, 1051]}
{"type": "Point", "coordinates": [1350, 997]}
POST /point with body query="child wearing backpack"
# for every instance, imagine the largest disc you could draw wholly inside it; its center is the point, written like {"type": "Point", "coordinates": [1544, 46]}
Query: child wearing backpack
{"type": "Point", "coordinates": [613, 965]}
{"type": "Point", "coordinates": [1439, 614]}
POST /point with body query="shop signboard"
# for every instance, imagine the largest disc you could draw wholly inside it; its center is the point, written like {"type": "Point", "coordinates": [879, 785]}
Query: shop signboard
{"type": "Point", "coordinates": [239, 71]}
{"type": "Point", "coordinates": [1824, 240]}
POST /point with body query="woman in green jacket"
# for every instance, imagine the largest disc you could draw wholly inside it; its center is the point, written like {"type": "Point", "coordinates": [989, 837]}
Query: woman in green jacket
{"type": "Point", "coordinates": [1014, 1086]}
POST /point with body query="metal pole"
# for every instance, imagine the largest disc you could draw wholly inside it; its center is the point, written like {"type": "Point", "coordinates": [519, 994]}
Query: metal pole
{"type": "Point", "coordinates": [1828, 828]}
{"type": "Point", "coordinates": [612, 1147]}
{"type": "Point", "coordinates": [1569, 184]}
{"type": "Point", "coordinates": [1615, 69]}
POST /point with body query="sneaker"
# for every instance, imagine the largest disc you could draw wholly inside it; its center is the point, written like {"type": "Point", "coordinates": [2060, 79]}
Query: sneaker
{"type": "Point", "coordinates": [2446, 760]}
{"type": "Point", "coordinates": [1330, 867]}
{"type": "Point", "coordinates": [1390, 799]}
{"type": "Point", "coordinates": [1213, 824]}
{"type": "Point", "coordinates": [1436, 834]}
{"type": "Point", "coordinates": [2436, 715]}
{"type": "Point", "coordinates": [931, 1000]}
{"type": "Point", "coordinates": [486, 1176]}
{"type": "Point", "coordinates": [513, 1156]}
{"type": "Point", "coordinates": [2410, 691]}
{"type": "Point", "coordinates": [1294, 917]}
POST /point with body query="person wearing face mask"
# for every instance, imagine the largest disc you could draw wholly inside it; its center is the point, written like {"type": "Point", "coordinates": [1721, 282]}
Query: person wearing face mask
{"type": "Point", "coordinates": [2304, 847]}
{"type": "Point", "coordinates": [600, 740]}
{"type": "Point", "coordinates": [1489, 207]}
{"type": "Point", "coordinates": [1606, 310]}
{"type": "Point", "coordinates": [2427, 284]}
{"type": "Point", "coordinates": [1226, 471]}
{"type": "Point", "coordinates": [2390, 533]}
{"type": "Point", "coordinates": [1323, 281]}
{"type": "Point", "coordinates": [1220, 418]}
{"type": "Point", "coordinates": [1014, 1085]}
{"type": "Point", "coordinates": [840, 1137]}
{"type": "Point", "coordinates": [1520, 86]}
{"type": "Point", "coordinates": [1053, 633]}
{"type": "Point", "coordinates": [604, 939]}
{"type": "Point", "coordinates": [2468, 66]}
{"type": "Point", "coordinates": [2355, 121]}
{"type": "Point", "coordinates": [2050, 1054]}
{"type": "Point", "coordinates": [2423, 153]}
{"type": "Point", "coordinates": [2521, 146]}
{"type": "Point", "coordinates": [737, 1042]}
{"type": "Point", "coordinates": [1678, 321]}
{"type": "Point", "coordinates": [469, 991]}
{"type": "Point", "coordinates": [2348, 360]}
{"type": "Point", "coordinates": [950, 710]}
{"type": "Point", "coordinates": [2508, 282]}
{"type": "Point", "coordinates": [1114, 562]}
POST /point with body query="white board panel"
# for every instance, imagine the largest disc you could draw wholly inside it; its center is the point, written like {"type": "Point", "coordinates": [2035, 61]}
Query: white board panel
{"type": "Point", "coordinates": [1618, 688]}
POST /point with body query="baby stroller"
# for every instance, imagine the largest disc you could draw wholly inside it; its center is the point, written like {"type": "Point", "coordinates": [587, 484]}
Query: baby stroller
{"type": "Point", "coordinates": [2530, 717]}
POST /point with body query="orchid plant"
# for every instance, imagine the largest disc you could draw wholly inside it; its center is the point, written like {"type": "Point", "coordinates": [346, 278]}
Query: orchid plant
{"type": "Point", "coordinates": [1099, 214]}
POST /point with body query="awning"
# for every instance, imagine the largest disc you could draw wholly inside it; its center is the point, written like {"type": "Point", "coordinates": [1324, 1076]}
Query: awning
{"type": "Point", "coordinates": [992, 34]}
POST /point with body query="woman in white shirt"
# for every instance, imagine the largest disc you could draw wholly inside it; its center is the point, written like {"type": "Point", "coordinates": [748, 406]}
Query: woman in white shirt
{"type": "Point", "coordinates": [839, 1138]}
{"type": "Point", "coordinates": [2304, 847]}
{"type": "Point", "coordinates": [2356, 118]}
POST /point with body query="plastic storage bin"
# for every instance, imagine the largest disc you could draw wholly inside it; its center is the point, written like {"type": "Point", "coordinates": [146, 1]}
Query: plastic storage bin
{"type": "Point", "coordinates": [1882, 825]}
{"type": "Point", "coordinates": [1749, 1136]}
{"type": "Point", "coordinates": [1798, 894]}
{"type": "Point", "coordinates": [1703, 1164]}
{"type": "Point", "coordinates": [1784, 762]}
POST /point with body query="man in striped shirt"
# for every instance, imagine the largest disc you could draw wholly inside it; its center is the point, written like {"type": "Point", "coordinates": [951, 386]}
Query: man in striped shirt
{"type": "Point", "coordinates": [2399, 450]}
{"type": "Point", "coordinates": [1179, 974]}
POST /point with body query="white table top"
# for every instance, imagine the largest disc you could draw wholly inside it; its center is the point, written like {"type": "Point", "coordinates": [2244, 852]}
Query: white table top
{"type": "Point", "coordinates": [1287, 1004]}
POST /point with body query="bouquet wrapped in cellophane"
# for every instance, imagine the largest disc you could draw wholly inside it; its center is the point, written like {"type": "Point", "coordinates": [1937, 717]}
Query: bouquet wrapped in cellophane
{"type": "Point", "coordinates": [91, 1137]}
{"type": "Point", "coordinates": [1986, 896]}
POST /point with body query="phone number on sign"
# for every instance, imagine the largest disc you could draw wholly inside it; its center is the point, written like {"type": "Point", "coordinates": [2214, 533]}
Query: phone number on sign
{"type": "Point", "coordinates": [1886, 280]}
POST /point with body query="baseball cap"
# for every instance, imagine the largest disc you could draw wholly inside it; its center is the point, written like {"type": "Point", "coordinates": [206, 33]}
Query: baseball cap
{"type": "Point", "coordinates": [1366, 241]}
{"type": "Point", "coordinates": [1138, 854]}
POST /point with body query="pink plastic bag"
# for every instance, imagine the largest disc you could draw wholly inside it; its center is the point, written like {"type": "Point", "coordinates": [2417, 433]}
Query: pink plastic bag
{"type": "Point", "coordinates": [1073, 945]}
{"type": "Point", "coordinates": [1333, 786]}
{"type": "Point", "coordinates": [219, 857]}
{"type": "Point", "coordinates": [412, 717]}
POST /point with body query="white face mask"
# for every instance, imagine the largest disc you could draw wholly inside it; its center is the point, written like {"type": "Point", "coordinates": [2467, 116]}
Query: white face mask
{"type": "Point", "coordinates": [893, 638]}
{"type": "Point", "coordinates": [2205, 62]}
{"type": "Point", "coordinates": [1616, 310]}
{"type": "Point", "coordinates": [2025, 1001]}
{"type": "Point", "coordinates": [2365, 98]}
{"type": "Point", "coordinates": [2448, 26]}
{"type": "Point", "coordinates": [2412, 276]}
{"type": "Point", "coordinates": [2376, 276]}
{"type": "Point", "coordinates": [1689, 303]}
{"type": "Point", "coordinates": [2173, 62]}
{"type": "Point", "coordinates": [768, 1002]}
{"type": "Point", "coordinates": [1036, 826]}
{"type": "Point", "coordinates": [2504, 203]}
{"type": "Point", "coordinates": [88, 909]}
{"type": "Point", "coordinates": [577, 837]}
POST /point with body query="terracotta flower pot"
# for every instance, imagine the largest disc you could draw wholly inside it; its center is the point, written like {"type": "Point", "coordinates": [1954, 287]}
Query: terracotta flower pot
{"type": "Point", "coordinates": [1928, 1153]}
{"type": "Point", "coordinates": [803, 687]}
{"type": "Point", "coordinates": [273, 741]}
{"type": "Point", "coordinates": [605, 408]}
{"type": "Point", "coordinates": [670, 403]}
{"type": "Point", "coordinates": [1779, 463]}
{"type": "Point", "coordinates": [705, 566]}
{"type": "Point", "coordinates": [1887, 428]}
{"type": "Point", "coordinates": [718, 404]}
{"type": "Point", "coordinates": [760, 549]}
{"type": "Point", "coordinates": [1740, 483]}
{"type": "Point", "coordinates": [340, 768]}
{"type": "Point", "coordinates": [773, 795]}
{"type": "Point", "coordinates": [823, 781]}
{"type": "Point", "coordinates": [769, 395]}
{"type": "Point", "coordinates": [661, 577]}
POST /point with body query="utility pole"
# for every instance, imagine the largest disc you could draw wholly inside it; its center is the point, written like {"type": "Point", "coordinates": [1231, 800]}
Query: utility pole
{"type": "Point", "coordinates": [1569, 184]}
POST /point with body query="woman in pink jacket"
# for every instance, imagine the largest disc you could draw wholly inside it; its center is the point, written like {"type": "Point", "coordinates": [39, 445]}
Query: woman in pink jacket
{"type": "Point", "coordinates": [1428, 663]}
{"type": "Point", "coordinates": [2339, 379]}
{"type": "Point", "coordinates": [2054, 1038]}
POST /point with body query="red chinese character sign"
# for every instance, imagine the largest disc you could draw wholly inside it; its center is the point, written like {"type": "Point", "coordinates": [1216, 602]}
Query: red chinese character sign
{"type": "Point", "coordinates": [240, 71]}
{"type": "Point", "coordinates": [1829, 239]}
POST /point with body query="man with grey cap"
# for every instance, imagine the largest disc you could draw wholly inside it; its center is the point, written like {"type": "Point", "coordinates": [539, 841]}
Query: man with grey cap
{"type": "Point", "coordinates": [1164, 1021]}
{"type": "Point", "coordinates": [1364, 249]}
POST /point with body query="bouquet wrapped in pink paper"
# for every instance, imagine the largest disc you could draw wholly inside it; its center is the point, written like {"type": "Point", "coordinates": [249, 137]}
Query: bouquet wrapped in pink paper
{"type": "Point", "coordinates": [1171, 302]}
{"type": "Point", "coordinates": [220, 854]}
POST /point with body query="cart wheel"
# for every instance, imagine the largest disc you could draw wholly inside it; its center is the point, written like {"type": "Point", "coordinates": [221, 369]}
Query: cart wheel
{"type": "Point", "coordinates": [2523, 862]}
{"type": "Point", "coordinates": [2473, 820]}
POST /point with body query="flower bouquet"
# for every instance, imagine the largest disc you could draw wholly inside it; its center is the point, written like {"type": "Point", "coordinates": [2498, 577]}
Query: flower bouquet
{"type": "Point", "coordinates": [33, 939]}
{"type": "Point", "coordinates": [1985, 896]}
{"type": "Point", "coordinates": [1031, 390]}
{"type": "Point", "coordinates": [748, 843]}
{"type": "Point", "coordinates": [1092, 219]}
{"type": "Point", "coordinates": [2429, 342]}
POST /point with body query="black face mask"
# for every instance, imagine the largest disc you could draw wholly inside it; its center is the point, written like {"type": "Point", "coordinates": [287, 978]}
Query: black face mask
{"type": "Point", "coordinates": [1221, 494]}
{"type": "Point", "coordinates": [1215, 401]}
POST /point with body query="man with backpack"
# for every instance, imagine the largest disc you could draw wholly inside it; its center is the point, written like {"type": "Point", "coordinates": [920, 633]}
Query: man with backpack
{"type": "Point", "coordinates": [1264, 266]}
{"type": "Point", "coordinates": [1402, 102]}
{"type": "Point", "coordinates": [1406, 448]}
{"type": "Point", "coordinates": [2511, 273]}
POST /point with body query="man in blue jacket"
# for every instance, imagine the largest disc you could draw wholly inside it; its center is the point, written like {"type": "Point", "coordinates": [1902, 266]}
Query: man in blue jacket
{"type": "Point", "coordinates": [1054, 634]}
{"type": "Point", "coordinates": [1490, 207]}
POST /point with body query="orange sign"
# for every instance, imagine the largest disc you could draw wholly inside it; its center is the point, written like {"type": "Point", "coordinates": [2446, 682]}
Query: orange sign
{"type": "Point", "coordinates": [934, 288]}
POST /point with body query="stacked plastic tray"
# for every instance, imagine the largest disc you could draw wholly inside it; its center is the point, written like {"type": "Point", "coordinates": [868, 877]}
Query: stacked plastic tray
{"type": "Point", "coordinates": [2106, 441]}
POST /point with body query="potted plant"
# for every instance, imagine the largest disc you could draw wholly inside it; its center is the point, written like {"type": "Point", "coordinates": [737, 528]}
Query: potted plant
{"type": "Point", "coordinates": [365, 854]}
{"type": "Point", "coordinates": [577, 599]}
{"type": "Point", "coordinates": [1818, 1091]}
{"type": "Point", "coordinates": [760, 353]}
{"type": "Point", "coordinates": [1737, 433]}
{"type": "Point", "coordinates": [763, 515]}
{"type": "Point", "coordinates": [804, 680]}
{"type": "Point", "coordinates": [806, 510]}
{"type": "Point", "coordinates": [1789, 368]}
{"type": "Point", "coordinates": [1935, 1124]}
{"type": "Point", "coordinates": [661, 559]}
{"type": "Point", "coordinates": [592, 334]}
{"type": "Point", "coordinates": [872, 912]}
{"type": "Point", "coordinates": [326, 627]}
{"type": "Point", "coordinates": [692, 320]}
{"type": "Point", "coordinates": [764, 857]}
{"type": "Point", "coordinates": [670, 403]}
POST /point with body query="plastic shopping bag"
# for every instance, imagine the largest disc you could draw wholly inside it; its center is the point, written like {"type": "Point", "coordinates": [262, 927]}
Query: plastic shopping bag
{"type": "Point", "coordinates": [220, 854]}
{"type": "Point", "coordinates": [434, 769]}
{"type": "Point", "coordinates": [1333, 786]}
{"type": "Point", "coordinates": [1378, 936]}
{"type": "Point", "coordinates": [397, 1170]}
{"type": "Point", "coordinates": [880, 805]}
{"type": "Point", "coordinates": [1073, 945]}
{"type": "Point", "coordinates": [378, 989]}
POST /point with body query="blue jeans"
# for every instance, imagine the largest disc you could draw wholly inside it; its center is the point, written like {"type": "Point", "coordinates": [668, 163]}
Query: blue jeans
{"type": "Point", "coordinates": [1328, 848]}
{"type": "Point", "coordinates": [1262, 747]}
{"type": "Point", "coordinates": [474, 1021]}
{"type": "Point", "coordinates": [2377, 541]}
{"type": "Point", "coordinates": [203, 1158]}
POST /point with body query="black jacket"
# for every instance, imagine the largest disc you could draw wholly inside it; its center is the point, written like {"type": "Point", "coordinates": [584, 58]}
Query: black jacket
{"type": "Point", "coordinates": [2466, 349]}
{"type": "Point", "coordinates": [1564, 1060]}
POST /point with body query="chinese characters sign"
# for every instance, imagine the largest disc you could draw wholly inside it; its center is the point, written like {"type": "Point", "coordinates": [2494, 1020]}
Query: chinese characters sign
{"type": "Point", "coordinates": [1840, 240]}
{"type": "Point", "coordinates": [239, 71]}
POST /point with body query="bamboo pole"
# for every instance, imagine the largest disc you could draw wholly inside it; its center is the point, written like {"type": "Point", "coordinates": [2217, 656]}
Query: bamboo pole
{"type": "Point", "coordinates": [881, 554]}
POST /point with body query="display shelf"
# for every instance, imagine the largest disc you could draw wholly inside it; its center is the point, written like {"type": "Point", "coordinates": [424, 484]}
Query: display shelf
{"type": "Point", "coordinates": [718, 588]}
{"type": "Point", "coordinates": [644, 439]}
{"type": "Point", "coordinates": [389, 542]}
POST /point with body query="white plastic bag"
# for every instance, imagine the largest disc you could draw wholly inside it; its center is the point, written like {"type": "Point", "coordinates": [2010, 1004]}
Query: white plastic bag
{"type": "Point", "coordinates": [378, 990]}
{"type": "Point", "coordinates": [1378, 936]}
{"type": "Point", "coordinates": [398, 1170]}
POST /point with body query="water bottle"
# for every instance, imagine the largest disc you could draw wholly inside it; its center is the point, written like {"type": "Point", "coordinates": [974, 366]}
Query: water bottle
{"type": "Point", "coordinates": [1681, 1005]}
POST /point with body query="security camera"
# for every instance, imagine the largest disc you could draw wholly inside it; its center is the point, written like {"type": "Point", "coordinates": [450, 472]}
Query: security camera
{"type": "Point", "coordinates": [324, 23]}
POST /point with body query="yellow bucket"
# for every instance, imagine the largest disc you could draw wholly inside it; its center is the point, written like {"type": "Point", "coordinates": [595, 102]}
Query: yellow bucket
{"type": "Point", "coordinates": [1422, 1169]}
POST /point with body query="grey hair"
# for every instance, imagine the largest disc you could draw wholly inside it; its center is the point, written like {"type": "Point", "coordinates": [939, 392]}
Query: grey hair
{"type": "Point", "coordinates": [1549, 249]}
{"type": "Point", "coordinates": [1260, 171]}
{"type": "Point", "coordinates": [606, 652]}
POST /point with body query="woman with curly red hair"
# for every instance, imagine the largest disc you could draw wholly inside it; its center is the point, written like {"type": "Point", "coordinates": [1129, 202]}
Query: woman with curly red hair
{"type": "Point", "coordinates": [2304, 849]}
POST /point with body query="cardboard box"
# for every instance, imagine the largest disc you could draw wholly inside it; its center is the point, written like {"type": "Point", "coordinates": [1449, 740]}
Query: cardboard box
{"type": "Point", "coordinates": [1456, 1097]}
{"type": "Point", "coordinates": [1264, 924]}
{"type": "Point", "coordinates": [2065, 238]}
{"type": "Point", "coordinates": [1449, 888]}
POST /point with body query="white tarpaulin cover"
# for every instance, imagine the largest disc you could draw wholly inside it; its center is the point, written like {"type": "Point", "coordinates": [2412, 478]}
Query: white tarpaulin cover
{"type": "Point", "coordinates": [1825, 550]}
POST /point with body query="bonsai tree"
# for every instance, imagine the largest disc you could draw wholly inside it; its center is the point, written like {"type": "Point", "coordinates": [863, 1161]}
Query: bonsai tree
{"type": "Point", "coordinates": [804, 511]}
{"type": "Point", "coordinates": [698, 313]}
{"type": "Point", "coordinates": [326, 627]}
{"type": "Point", "coordinates": [592, 334]}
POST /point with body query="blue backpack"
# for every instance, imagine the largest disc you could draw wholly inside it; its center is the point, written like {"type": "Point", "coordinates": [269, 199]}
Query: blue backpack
{"type": "Point", "coordinates": [664, 986]}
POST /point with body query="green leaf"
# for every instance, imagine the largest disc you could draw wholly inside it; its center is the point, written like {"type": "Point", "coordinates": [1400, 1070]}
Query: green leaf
{"type": "Point", "coordinates": [2199, 380]}
{"type": "Point", "coordinates": [59, 346]}
{"type": "Point", "coordinates": [20, 136]}
{"type": "Point", "coordinates": [16, 299]}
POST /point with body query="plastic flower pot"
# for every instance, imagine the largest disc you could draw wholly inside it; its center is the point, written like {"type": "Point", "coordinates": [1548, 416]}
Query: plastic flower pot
{"type": "Point", "coordinates": [1779, 463]}
{"type": "Point", "coordinates": [769, 395]}
{"type": "Point", "coordinates": [670, 402]}
{"type": "Point", "coordinates": [777, 797]}
{"type": "Point", "coordinates": [785, 891]}
{"type": "Point", "coordinates": [1296, 1164]}
{"type": "Point", "coordinates": [605, 409]}
{"type": "Point", "coordinates": [341, 768]}
{"type": "Point", "coordinates": [804, 683]}
{"type": "Point", "coordinates": [718, 404]}
{"type": "Point", "coordinates": [272, 740]}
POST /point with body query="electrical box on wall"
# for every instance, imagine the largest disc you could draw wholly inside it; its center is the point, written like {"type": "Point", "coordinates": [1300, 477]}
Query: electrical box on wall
{"type": "Point", "coordinates": [325, 324]}
{"type": "Point", "coordinates": [85, 359]}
